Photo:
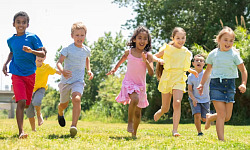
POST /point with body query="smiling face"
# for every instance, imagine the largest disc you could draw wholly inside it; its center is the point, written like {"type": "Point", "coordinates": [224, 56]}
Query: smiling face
{"type": "Point", "coordinates": [21, 23]}
{"type": "Point", "coordinates": [39, 61]}
{"type": "Point", "coordinates": [179, 39]}
{"type": "Point", "coordinates": [198, 63]}
{"type": "Point", "coordinates": [79, 36]}
{"type": "Point", "coordinates": [141, 40]}
{"type": "Point", "coordinates": [226, 42]}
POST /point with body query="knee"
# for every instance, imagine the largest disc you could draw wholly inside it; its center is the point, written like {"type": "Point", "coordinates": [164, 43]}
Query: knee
{"type": "Point", "coordinates": [221, 115]}
{"type": "Point", "coordinates": [76, 97]}
{"type": "Point", "coordinates": [227, 118]}
{"type": "Point", "coordinates": [177, 104]}
{"type": "Point", "coordinates": [197, 116]}
{"type": "Point", "coordinates": [165, 109]}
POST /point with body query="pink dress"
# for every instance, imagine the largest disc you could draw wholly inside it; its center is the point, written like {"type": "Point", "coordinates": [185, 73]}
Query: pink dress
{"type": "Point", "coordinates": [134, 81]}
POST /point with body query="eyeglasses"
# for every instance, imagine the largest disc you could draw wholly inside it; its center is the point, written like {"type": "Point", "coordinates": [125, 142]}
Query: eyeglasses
{"type": "Point", "coordinates": [199, 60]}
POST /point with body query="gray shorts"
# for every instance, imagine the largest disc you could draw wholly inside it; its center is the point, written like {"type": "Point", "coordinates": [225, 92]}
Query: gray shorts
{"type": "Point", "coordinates": [202, 108]}
{"type": "Point", "coordinates": [66, 90]}
{"type": "Point", "coordinates": [36, 101]}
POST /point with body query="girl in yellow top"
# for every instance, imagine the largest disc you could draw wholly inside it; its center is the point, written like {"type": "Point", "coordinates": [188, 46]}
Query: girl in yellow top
{"type": "Point", "coordinates": [176, 62]}
{"type": "Point", "coordinates": [42, 73]}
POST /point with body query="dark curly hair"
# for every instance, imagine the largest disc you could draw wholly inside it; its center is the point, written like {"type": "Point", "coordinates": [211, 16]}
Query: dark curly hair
{"type": "Point", "coordinates": [21, 13]}
{"type": "Point", "coordinates": [138, 30]}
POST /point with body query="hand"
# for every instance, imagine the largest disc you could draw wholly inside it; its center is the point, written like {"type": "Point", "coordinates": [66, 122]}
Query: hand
{"type": "Point", "coordinates": [161, 61]}
{"type": "Point", "coordinates": [112, 71]}
{"type": "Point", "coordinates": [5, 70]}
{"type": "Point", "coordinates": [143, 55]}
{"type": "Point", "coordinates": [242, 88]}
{"type": "Point", "coordinates": [67, 74]}
{"type": "Point", "coordinates": [27, 49]}
{"type": "Point", "coordinates": [195, 102]}
{"type": "Point", "coordinates": [200, 89]}
{"type": "Point", "coordinates": [91, 75]}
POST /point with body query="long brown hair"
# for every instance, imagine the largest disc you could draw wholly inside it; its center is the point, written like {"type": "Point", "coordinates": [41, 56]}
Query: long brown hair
{"type": "Point", "coordinates": [159, 67]}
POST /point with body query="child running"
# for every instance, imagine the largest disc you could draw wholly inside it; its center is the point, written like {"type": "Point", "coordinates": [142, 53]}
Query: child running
{"type": "Point", "coordinates": [200, 104]}
{"type": "Point", "coordinates": [133, 90]}
{"type": "Point", "coordinates": [24, 47]}
{"type": "Point", "coordinates": [177, 61]}
{"type": "Point", "coordinates": [75, 58]}
{"type": "Point", "coordinates": [222, 64]}
{"type": "Point", "coordinates": [42, 73]}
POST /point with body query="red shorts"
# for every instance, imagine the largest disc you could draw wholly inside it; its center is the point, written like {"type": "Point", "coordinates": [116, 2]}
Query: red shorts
{"type": "Point", "coordinates": [23, 87]}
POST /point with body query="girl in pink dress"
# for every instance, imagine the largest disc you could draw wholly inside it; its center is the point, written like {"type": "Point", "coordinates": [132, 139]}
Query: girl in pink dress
{"type": "Point", "coordinates": [133, 91]}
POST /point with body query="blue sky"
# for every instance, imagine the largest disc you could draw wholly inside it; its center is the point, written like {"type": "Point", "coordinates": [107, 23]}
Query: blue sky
{"type": "Point", "coordinates": [51, 20]}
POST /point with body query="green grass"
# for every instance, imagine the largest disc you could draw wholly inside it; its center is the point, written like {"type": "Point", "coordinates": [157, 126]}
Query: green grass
{"type": "Point", "coordinates": [97, 135]}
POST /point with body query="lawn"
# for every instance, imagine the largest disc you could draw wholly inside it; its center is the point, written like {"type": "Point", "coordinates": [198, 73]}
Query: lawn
{"type": "Point", "coordinates": [97, 135]}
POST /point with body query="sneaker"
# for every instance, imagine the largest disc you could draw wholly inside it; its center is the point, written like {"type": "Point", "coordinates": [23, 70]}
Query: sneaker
{"type": "Point", "coordinates": [73, 131]}
{"type": "Point", "coordinates": [61, 120]}
{"type": "Point", "coordinates": [200, 134]}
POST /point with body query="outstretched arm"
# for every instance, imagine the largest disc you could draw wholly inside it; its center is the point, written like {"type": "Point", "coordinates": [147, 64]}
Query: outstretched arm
{"type": "Point", "coordinates": [39, 52]}
{"type": "Point", "coordinates": [124, 57]}
{"type": "Point", "coordinates": [6, 63]}
{"type": "Point", "coordinates": [204, 78]}
{"type": "Point", "coordinates": [194, 72]}
{"type": "Point", "coordinates": [91, 75]}
{"type": "Point", "coordinates": [243, 72]}
{"type": "Point", "coordinates": [157, 57]}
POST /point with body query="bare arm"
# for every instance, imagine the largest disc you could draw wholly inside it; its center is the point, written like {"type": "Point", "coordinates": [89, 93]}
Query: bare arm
{"type": "Point", "coordinates": [191, 95]}
{"type": "Point", "coordinates": [194, 72]}
{"type": "Point", "coordinates": [91, 75]}
{"type": "Point", "coordinates": [149, 63]}
{"type": "Point", "coordinates": [124, 57]}
{"type": "Point", "coordinates": [244, 74]}
{"type": "Point", "coordinates": [66, 73]}
{"type": "Point", "coordinates": [204, 78]}
{"type": "Point", "coordinates": [157, 57]}
{"type": "Point", "coordinates": [39, 52]}
{"type": "Point", "coordinates": [6, 63]}
{"type": "Point", "coordinates": [58, 72]}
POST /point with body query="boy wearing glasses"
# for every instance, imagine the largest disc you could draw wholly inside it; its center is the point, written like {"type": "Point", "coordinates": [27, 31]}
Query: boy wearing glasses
{"type": "Point", "coordinates": [199, 103]}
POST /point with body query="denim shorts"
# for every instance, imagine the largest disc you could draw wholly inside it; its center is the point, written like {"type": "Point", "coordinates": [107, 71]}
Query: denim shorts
{"type": "Point", "coordinates": [223, 91]}
{"type": "Point", "coordinates": [202, 108]}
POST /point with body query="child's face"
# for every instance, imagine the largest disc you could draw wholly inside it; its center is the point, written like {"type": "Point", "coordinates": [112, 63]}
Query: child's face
{"type": "Point", "coordinates": [79, 36]}
{"type": "Point", "coordinates": [40, 60]}
{"type": "Point", "coordinates": [179, 39]}
{"type": "Point", "coordinates": [226, 42]}
{"type": "Point", "coordinates": [21, 23]}
{"type": "Point", "coordinates": [141, 40]}
{"type": "Point", "coordinates": [198, 63]}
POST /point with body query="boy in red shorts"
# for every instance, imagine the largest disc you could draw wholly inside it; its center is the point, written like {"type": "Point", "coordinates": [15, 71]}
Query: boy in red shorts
{"type": "Point", "coordinates": [24, 47]}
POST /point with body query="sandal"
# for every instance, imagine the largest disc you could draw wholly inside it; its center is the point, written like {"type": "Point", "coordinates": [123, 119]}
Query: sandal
{"type": "Point", "coordinates": [176, 134]}
{"type": "Point", "coordinates": [23, 136]}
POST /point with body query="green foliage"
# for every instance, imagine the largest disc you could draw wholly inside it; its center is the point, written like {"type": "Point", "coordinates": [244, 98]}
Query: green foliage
{"type": "Point", "coordinates": [200, 19]}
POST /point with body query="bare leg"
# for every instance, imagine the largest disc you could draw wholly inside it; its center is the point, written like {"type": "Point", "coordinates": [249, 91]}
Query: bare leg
{"type": "Point", "coordinates": [131, 110]}
{"type": "Point", "coordinates": [61, 107]}
{"type": "Point", "coordinates": [39, 115]}
{"type": "Point", "coordinates": [76, 100]}
{"type": "Point", "coordinates": [137, 120]}
{"type": "Point", "coordinates": [197, 122]}
{"type": "Point", "coordinates": [177, 97]}
{"type": "Point", "coordinates": [32, 123]}
{"type": "Point", "coordinates": [19, 117]}
{"type": "Point", "coordinates": [220, 108]}
{"type": "Point", "coordinates": [166, 99]}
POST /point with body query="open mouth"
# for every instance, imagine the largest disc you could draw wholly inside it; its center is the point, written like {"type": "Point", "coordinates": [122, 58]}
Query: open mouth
{"type": "Point", "coordinates": [198, 65]}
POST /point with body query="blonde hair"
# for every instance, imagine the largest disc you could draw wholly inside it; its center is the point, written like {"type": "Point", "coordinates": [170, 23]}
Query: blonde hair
{"type": "Point", "coordinates": [225, 30]}
{"type": "Point", "coordinates": [159, 67]}
{"type": "Point", "coordinates": [77, 26]}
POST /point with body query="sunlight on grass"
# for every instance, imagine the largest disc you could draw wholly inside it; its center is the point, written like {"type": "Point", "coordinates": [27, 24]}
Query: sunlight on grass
{"type": "Point", "coordinates": [97, 135]}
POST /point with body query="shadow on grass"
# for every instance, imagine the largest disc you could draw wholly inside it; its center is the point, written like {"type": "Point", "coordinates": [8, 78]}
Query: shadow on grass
{"type": "Point", "coordinates": [54, 136]}
{"type": "Point", "coordinates": [127, 138]}
{"type": "Point", "coordinates": [12, 137]}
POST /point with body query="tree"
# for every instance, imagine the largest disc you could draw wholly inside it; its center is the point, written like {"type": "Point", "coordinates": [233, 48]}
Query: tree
{"type": "Point", "coordinates": [200, 18]}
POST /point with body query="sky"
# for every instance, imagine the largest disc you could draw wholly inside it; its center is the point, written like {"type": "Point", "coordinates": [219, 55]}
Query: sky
{"type": "Point", "coordinates": [51, 20]}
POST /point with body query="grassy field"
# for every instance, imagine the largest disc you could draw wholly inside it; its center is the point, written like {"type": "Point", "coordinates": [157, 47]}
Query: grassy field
{"type": "Point", "coordinates": [97, 135]}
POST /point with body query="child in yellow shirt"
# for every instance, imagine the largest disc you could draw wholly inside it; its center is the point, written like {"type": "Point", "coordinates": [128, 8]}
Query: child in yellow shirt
{"type": "Point", "coordinates": [42, 73]}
